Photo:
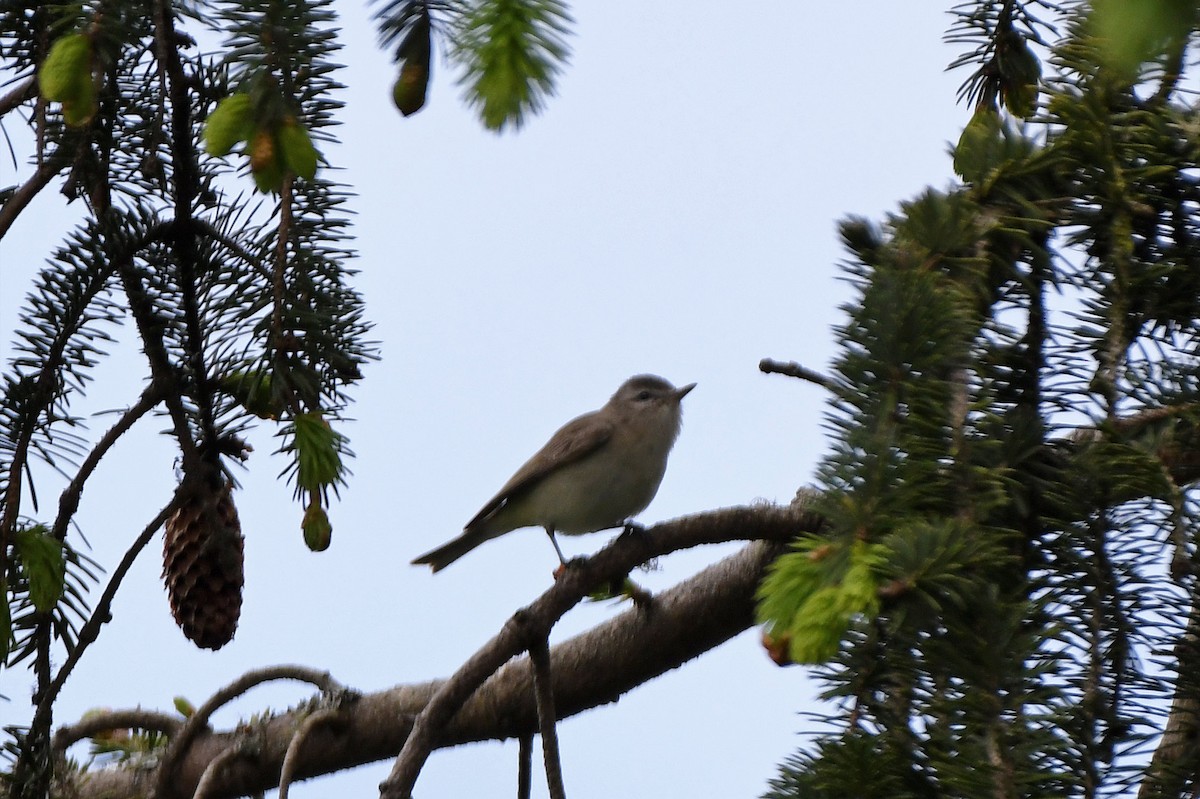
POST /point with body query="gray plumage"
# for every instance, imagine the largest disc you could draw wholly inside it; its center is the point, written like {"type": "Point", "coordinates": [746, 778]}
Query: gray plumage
{"type": "Point", "coordinates": [598, 471]}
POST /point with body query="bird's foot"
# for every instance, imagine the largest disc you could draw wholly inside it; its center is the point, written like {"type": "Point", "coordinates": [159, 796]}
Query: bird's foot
{"type": "Point", "coordinates": [632, 528]}
{"type": "Point", "coordinates": [563, 565]}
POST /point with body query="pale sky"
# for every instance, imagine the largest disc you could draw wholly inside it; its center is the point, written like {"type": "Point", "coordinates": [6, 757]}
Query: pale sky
{"type": "Point", "coordinates": [673, 211]}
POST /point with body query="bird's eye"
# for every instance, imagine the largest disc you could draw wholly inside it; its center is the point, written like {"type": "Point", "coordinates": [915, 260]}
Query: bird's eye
{"type": "Point", "coordinates": [643, 395]}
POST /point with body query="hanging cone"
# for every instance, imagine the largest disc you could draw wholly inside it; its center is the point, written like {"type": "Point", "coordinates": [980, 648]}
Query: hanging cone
{"type": "Point", "coordinates": [202, 565]}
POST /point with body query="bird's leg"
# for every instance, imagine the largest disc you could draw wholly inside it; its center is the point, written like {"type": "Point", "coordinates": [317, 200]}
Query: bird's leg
{"type": "Point", "coordinates": [553, 540]}
{"type": "Point", "coordinates": [563, 563]}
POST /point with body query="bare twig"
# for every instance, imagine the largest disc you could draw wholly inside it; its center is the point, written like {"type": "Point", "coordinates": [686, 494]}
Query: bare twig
{"type": "Point", "coordinates": [199, 720]}
{"type": "Point", "coordinates": [20, 198]}
{"type": "Point", "coordinates": [151, 326]}
{"type": "Point", "coordinates": [1135, 421]}
{"type": "Point", "coordinates": [543, 691]}
{"type": "Point", "coordinates": [23, 91]}
{"type": "Point", "coordinates": [209, 778]}
{"type": "Point", "coordinates": [100, 614]}
{"type": "Point", "coordinates": [793, 369]}
{"type": "Point", "coordinates": [279, 268]}
{"type": "Point", "coordinates": [279, 342]}
{"type": "Point", "coordinates": [525, 766]}
{"type": "Point", "coordinates": [68, 502]}
{"type": "Point", "coordinates": [325, 715]}
{"type": "Point", "coordinates": [1174, 65]}
{"type": "Point", "coordinates": [612, 563]}
{"type": "Point", "coordinates": [110, 720]}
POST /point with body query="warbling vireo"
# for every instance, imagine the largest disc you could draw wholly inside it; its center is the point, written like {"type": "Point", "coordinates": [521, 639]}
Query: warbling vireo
{"type": "Point", "coordinates": [595, 473]}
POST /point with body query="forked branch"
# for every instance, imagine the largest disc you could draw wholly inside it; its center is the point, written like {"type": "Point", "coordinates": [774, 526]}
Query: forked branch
{"type": "Point", "coordinates": [591, 669]}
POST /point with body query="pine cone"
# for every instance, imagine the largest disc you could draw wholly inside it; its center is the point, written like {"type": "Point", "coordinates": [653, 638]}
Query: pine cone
{"type": "Point", "coordinates": [202, 565]}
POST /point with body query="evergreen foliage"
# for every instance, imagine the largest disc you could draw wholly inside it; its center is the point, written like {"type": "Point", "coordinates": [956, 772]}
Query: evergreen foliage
{"type": "Point", "coordinates": [509, 52]}
{"type": "Point", "coordinates": [163, 119]}
{"type": "Point", "coordinates": [215, 285]}
{"type": "Point", "coordinates": [1003, 599]}
{"type": "Point", "coordinates": [1013, 438]}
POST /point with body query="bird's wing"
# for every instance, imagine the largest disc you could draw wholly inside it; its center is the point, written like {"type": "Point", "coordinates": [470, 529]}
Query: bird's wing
{"type": "Point", "coordinates": [574, 440]}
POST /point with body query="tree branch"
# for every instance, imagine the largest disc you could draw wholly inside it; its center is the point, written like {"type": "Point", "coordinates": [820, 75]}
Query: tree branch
{"type": "Point", "coordinates": [543, 691]}
{"type": "Point", "coordinates": [46, 170]}
{"type": "Point", "coordinates": [68, 502]}
{"type": "Point", "coordinates": [208, 779]}
{"type": "Point", "coordinates": [609, 565]}
{"type": "Point", "coordinates": [793, 369]}
{"type": "Point", "coordinates": [496, 703]}
{"type": "Point", "coordinates": [198, 721]}
{"type": "Point", "coordinates": [23, 91]}
{"type": "Point", "coordinates": [108, 721]}
{"type": "Point", "coordinates": [21, 198]}
{"type": "Point", "coordinates": [42, 717]}
{"type": "Point", "coordinates": [150, 326]}
{"type": "Point", "coordinates": [591, 669]}
{"type": "Point", "coordinates": [287, 773]}
{"type": "Point", "coordinates": [185, 188]}
{"type": "Point", "coordinates": [524, 766]}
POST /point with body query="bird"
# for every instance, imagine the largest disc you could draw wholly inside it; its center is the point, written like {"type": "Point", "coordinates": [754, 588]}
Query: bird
{"type": "Point", "coordinates": [595, 473]}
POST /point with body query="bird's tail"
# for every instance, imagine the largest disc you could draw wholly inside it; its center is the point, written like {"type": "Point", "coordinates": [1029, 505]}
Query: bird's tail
{"type": "Point", "coordinates": [451, 551]}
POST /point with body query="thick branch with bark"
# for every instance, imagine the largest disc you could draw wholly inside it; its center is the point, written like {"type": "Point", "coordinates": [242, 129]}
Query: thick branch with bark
{"type": "Point", "coordinates": [492, 696]}
{"type": "Point", "coordinates": [591, 669]}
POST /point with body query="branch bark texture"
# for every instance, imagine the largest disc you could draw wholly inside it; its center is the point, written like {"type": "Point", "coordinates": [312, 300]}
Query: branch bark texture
{"type": "Point", "coordinates": [591, 669]}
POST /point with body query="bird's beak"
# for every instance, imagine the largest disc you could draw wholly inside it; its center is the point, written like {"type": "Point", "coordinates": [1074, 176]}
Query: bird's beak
{"type": "Point", "coordinates": [681, 392]}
